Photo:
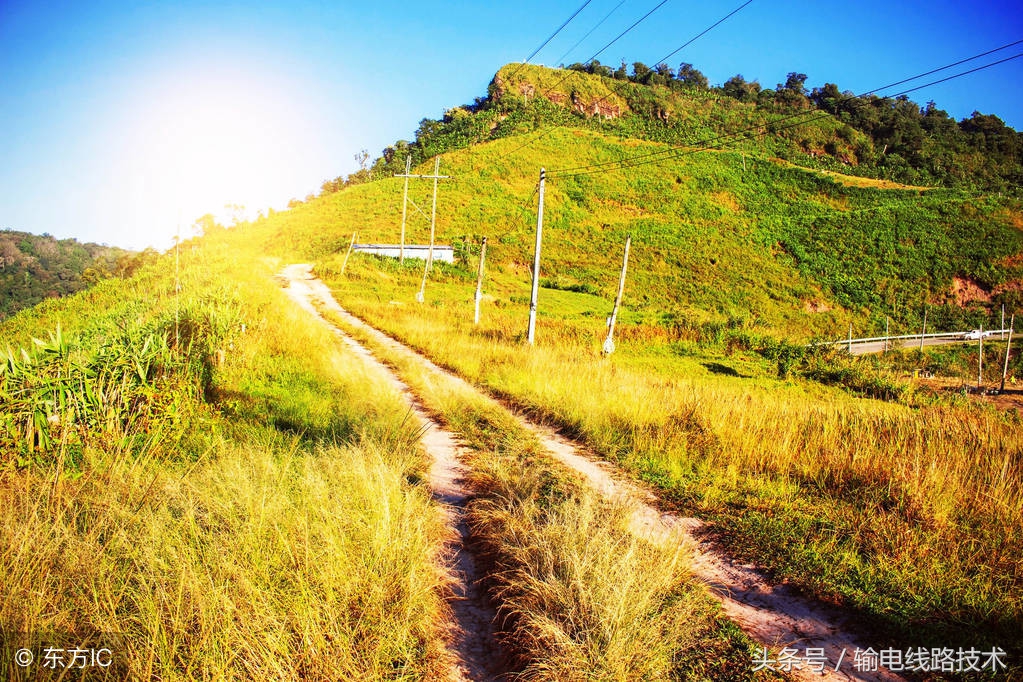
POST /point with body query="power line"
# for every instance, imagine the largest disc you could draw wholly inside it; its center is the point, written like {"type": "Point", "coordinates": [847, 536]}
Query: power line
{"type": "Point", "coordinates": [549, 39]}
{"type": "Point", "coordinates": [705, 144]}
{"type": "Point", "coordinates": [569, 73]}
{"type": "Point", "coordinates": [703, 33]}
{"type": "Point", "coordinates": [659, 61]}
{"type": "Point", "coordinates": [589, 33]}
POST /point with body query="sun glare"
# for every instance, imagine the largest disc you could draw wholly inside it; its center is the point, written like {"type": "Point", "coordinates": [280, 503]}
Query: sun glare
{"type": "Point", "coordinates": [199, 142]}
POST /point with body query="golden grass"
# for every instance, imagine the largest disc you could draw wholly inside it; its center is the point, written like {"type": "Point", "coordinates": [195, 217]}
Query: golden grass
{"type": "Point", "coordinates": [286, 537]}
{"type": "Point", "coordinates": [579, 595]}
{"type": "Point", "coordinates": [912, 514]}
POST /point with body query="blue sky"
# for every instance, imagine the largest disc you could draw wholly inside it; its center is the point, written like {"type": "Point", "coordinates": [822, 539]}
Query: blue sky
{"type": "Point", "coordinates": [120, 121]}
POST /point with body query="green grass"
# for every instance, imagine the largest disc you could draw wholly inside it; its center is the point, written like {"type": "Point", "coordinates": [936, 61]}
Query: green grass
{"type": "Point", "coordinates": [715, 236]}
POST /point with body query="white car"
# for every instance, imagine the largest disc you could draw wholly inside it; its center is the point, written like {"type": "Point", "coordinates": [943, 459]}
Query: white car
{"type": "Point", "coordinates": [975, 335]}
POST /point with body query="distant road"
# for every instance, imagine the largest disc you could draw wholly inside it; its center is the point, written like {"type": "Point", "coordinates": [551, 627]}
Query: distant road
{"type": "Point", "coordinates": [877, 345]}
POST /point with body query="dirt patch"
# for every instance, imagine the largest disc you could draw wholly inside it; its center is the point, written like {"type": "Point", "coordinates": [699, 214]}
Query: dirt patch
{"type": "Point", "coordinates": [816, 306]}
{"type": "Point", "coordinates": [965, 291]}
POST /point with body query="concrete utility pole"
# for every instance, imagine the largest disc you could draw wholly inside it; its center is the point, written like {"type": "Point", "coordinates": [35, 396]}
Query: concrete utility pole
{"type": "Point", "coordinates": [433, 215]}
{"type": "Point", "coordinates": [1002, 333]}
{"type": "Point", "coordinates": [350, 247]}
{"type": "Point", "coordinates": [609, 344]}
{"type": "Point", "coordinates": [404, 206]}
{"type": "Point", "coordinates": [404, 210]}
{"type": "Point", "coordinates": [980, 357]}
{"type": "Point", "coordinates": [886, 332]}
{"type": "Point", "coordinates": [531, 330]}
{"type": "Point", "coordinates": [924, 331]}
{"type": "Point", "coordinates": [479, 281]}
{"type": "Point", "coordinates": [1005, 367]}
{"type": "Point", "coordinates": [850, 338]}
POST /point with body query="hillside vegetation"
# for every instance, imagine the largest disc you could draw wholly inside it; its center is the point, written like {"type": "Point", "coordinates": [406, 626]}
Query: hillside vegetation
{"type": "Point", "coordinates": [36, 267]}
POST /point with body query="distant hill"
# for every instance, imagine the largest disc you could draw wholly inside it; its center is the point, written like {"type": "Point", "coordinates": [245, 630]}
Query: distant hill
{"type": "Point", "coordinates": [34, 267]}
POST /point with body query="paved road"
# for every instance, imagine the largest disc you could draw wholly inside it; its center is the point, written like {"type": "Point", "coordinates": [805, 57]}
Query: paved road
{"type": "Point", "coordinates": [863, 348]}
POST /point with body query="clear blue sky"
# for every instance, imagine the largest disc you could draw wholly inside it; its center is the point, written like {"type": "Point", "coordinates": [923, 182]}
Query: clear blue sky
{"type": "Point", "coordinates": [119, 121]}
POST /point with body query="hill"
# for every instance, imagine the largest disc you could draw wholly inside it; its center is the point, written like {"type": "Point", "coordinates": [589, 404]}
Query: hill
{"type": "Point", "coordinates": [33, 268]}
{"type": "Point", "coordinates": [718, 235]}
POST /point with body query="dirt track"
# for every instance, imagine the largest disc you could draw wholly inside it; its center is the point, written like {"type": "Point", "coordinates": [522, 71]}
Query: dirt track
{"type": "Point", "coordinates": [774, 615]}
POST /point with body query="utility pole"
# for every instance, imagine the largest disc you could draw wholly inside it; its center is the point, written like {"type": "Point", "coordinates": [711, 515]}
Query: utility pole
{"type": "Point", "coordinates": [850, 338]}
{"type": "Point", "coordinates": [479, 281]}
{"type": "Point", "coordinates": [980, 357]}
{"type": "Point", "coordinates": [1005, 367]}
{"type": "Point", "coordinates": [531, 330]}
{"type": "Point", "coordinates": [404, 206]}
{"type": "Point", "coordinates": [433, 213]}
{"type": "Point", "coordinates": [404, 210]}
{"type": "Point", "coordinates": [886, 332]}
{"type": "Point", "coordinates": [350, 247]}
{"type": "Point", "coordinates": [923, 332]}
{"type": "Point", "coordinates": [609, 344]}
{"type": "Point", "coordinates": [1002, 334]}
{"type": "Point", "coordinates": [177, 286]}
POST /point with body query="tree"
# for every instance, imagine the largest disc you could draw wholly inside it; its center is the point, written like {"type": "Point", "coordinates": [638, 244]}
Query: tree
{"type": "Point", "coordinates": [640, 72]}
{"type": "Point", "coordinates": [622, 72]}
{"type": "Point", "coordinates": [740, 89]}
{"type": "Point", "coordinates": [795, 82]}
{"type": "Point", "coordinates": [691, 77]}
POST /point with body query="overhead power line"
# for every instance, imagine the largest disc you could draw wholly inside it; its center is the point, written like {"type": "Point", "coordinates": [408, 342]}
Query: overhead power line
{"type": "Point", "coordinates": [718, 141]}
{"type": "Point", "coordinates": [551, 37]}
{"type": "Point", "coordinates": [567, 52]}
{"type": "Point", "coordinates": [659, 61]}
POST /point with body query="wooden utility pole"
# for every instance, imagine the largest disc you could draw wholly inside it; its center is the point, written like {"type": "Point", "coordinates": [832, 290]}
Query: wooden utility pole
{"type": "Point", "coordinates": [404, 210]}
{"type": "Point", "coordinates": [609, 344]}
{"type": "Point", "coordinates": [479, 281]}
{"type": "Point", "coordinates": [531, 330]}
{"type": "Point", "coordinates": [923, 332]}
{"type": "Point", "coordinates": [1005, 367]}
{"type": "Point", "coordinates": [350, 247]}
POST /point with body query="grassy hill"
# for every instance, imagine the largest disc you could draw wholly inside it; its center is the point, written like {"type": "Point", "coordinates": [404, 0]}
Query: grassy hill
{"type": "Point", "coordinates": [207, 472]}
{"type": "Point", "coordinates": [717, 236]}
